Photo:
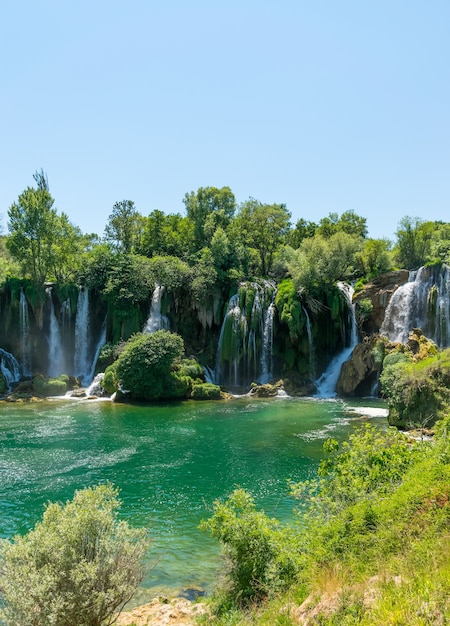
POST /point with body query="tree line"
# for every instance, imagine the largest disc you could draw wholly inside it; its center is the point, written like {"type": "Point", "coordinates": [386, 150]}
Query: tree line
{"type": "Point", "coordinates": [217, 238]}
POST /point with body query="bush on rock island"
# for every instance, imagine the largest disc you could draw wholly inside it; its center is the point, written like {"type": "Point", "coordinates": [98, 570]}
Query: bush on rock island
{"type": "Point", "coordinates": [152, 367]}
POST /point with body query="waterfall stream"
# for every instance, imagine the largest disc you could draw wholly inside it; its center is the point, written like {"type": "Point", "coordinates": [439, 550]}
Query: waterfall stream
{"type": "Point", "coordinates": [25, 346]}
{"type": "Point", "coordinates": [244, 351]}
{"type": "Point", "coordinates": [55, 350]}
{"type": "Point", "coordinates": [9, 368]}
{"type": "Point", "coordinates": [423, 302]}
{"type": "Point", "coordinates": [156, 321]}
{"type": "Point", "coordinates": [82, 362]}
{"type": "Point", "coordinates": [312, 360]}
{"type": "Point", "coordinates": [326, 384]}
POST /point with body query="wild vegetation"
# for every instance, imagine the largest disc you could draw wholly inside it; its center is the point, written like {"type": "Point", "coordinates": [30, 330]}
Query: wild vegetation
{"type": "Point", "coordinates": [371, 543]}
{"type": "Point", "coordinates": [371, 546]}
{"type": "Point", "coordinates": [79, 565]}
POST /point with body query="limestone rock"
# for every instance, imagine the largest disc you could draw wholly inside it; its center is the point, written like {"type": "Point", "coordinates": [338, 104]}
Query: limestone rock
{"type": "Point", "coordinates": [360, 373]}
{"type": "Point", "coordinates": [264, 391]}
{"type": "Point", "coordinates": [161, 611]}
{"type": "Point", "coordinates": [379, 292]}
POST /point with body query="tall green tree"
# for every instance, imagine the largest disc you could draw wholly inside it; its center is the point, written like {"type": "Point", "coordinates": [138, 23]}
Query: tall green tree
{"type": "Point", "coordinates": [124, 227]}
{"type": "Point", "coordinates": [263, 227]}
{"type": "Point", "coordinates": [321, 261]}
{"type": "Point", "coordinates": [167, 235]}
{"type": "Point", "coordinates": [349, 222]}
{"type": "Point", "coordinates": [375, 257]}
{"type": "Point", "coordinates": [67, 250]}
{"type": "Point", "coordinates": [413, 242]}
{"type": "Point", "coordinates": [302, 230]}
{"type": "Point", "coordinates": [32, 229]}
{"type": "Point", "coordinates": [210, 207]}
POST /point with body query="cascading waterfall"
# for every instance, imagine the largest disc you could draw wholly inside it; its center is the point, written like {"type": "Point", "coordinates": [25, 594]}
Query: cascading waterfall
{"type": "Point", "coordinates": [101, 342]}
{"type": "Point", "coordinates": [244, 351]}
{"type": "Point", "coordinates": [423, 302]}
{"type": "Point", "coordinates": [25, 346]}
{"type": "Point", "coordinates": [267, 345]}
{"type": "Point", "coordinates": [82, 363]}
{"type": "Point", "coordinates": [9, 368]}
{"type": "Point", "coordinates": [312, 361]}
{"type": "Point", "coordinates": [66, 322]}
{"type": "Point", "coordinates": [326, 384]}
{"type": "Point", "coordinates": [156, 321]}
{"type": "Point", "coordinates": [55, 350]}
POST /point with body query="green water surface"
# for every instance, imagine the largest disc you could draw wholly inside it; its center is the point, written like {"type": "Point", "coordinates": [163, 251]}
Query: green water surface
{"type": "Point", "coordinates": [170, 463]}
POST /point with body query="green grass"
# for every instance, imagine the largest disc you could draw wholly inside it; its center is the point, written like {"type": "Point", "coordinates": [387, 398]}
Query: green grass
{"type": "Point", "coordinates": [382, 560]}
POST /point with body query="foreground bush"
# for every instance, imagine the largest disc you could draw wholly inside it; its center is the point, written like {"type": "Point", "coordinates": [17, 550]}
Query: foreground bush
{"type": "Point", "coordinates": [78, 567]}
{"type": "Point", "coordinates": [260, 557]}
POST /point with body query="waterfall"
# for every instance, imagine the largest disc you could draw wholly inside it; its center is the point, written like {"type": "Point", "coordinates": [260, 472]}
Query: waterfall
{"type": "Point", "coordinates": [9, 368]}
{"type": "Point", "coordinates": [155, 320]}
{"type": "Point", "coordinates": [267, 345]}
{"type": "Point", "coordinates": [82, 363]}
{"type": "Point", "coordinates": [24, 321]}
{"type": "Point", "coordinates": [55, 351]}
{"type": "Point", "coordinates": [95, 388]}
{"type": "Point", "coordinates": [326, 384]}
{"type": "Point", "coordinates": [101, 342]}
{"type": "Point", "coordinates": [312, 361]}
{"type": "Point", "coordinates": [423, 302]}
{"type": "Point", "coordinates": [65, 322]}
{"type": "Point", "coordinates": [244, 351]}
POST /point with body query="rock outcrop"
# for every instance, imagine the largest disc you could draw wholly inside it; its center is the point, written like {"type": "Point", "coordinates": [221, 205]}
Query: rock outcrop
{"type": "Point", "coordinates": [379, 292]}
{"type": "Point", "coordinates": [360, 373]}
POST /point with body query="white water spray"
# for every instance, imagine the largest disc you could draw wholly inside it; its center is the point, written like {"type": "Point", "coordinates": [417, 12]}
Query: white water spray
{"type": "Point", "coordinates": [326, 384]}
{"type": "Point", "coordinates": [82, 362]}
{"type": "Point", "coordinates": [25, 334]}
{"type": "Point", "coordinates": [55, 350]}
{"type": "Point", "coordinates": [9, 368]}
{"type": "Point", "coordinates": [156, 321]}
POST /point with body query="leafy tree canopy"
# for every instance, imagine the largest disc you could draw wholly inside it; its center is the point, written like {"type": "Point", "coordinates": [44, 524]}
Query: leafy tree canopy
{"type": "Point", "coordinates": [80, 565]}
{"type": "Point", "coordinates": [264, 228]}
{"type": "Point", "coordinates": [209, 208]}
{"type": "Point", "coordinates": [146, 366]}
{"type": "Point", "coordinates": [124, 227]}
{"type": "Point", "coordinates": [45, 244]}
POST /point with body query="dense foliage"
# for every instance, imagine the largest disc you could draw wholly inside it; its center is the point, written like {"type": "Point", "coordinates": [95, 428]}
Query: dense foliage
{"type": "Point", "coordinates": [372, 547]}
{"type": "Point", "coordinates": [79, 565]}
{"type": "Point", "coordinates": [418, 392]}
{"type": "Point", "coordinates": [151, 367]}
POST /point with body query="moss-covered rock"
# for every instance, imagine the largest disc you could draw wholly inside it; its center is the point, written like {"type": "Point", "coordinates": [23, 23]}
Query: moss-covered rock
{"type": "Point", "coordinates": [43, 386]}
{"type": "Point", "coordinates": [264, 391]}
{"type": "Point", "coordinates": [205, 391]}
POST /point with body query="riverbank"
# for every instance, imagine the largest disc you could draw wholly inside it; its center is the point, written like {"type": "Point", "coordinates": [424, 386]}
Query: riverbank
{"type": "Point", "coordinates": [162, 611]}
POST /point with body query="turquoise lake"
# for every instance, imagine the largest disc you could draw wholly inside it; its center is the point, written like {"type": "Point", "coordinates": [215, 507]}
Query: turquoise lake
{"type": "Point", "coordinates": [170, 462]}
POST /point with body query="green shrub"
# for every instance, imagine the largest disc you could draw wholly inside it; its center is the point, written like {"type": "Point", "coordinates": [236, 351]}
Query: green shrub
{"type": "Point", "coordinates": [145, 367]}
{"type": "Point", "coordinates": [364, 309]}
{"type": "Point", "coordinates": [49, 386]}
{"type": "Point", "coordinates": [109, 382]}
{"type": "Point", "coordinates": [191, 368]}
{"type": "Point", "coordinates": [260, 558]}
{"type": "Point", "coordinates": [205, 391]}
{"type": "Point", "coordinates": [79, 565]}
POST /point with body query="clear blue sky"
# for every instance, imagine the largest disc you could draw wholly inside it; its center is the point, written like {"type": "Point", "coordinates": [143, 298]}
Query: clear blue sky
{"type": "Point", "coordinates": [325, 105]}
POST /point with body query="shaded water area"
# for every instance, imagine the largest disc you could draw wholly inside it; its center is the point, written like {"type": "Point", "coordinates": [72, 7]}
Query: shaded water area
{"type": "Point", "coordinates": [169, 461]}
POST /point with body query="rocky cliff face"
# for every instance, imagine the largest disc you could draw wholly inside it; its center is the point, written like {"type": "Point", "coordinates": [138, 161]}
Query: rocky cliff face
{"type": "Point", "coordinates": [378, 292]}
{"type": "Point", "coordinates": [359, 375]}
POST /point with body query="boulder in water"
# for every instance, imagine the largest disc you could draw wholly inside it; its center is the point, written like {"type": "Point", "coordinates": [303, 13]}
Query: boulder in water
{"type": "Point", "coordinates": [296, 385]}
{"type": "Point", "coordinates": [263, 391]}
